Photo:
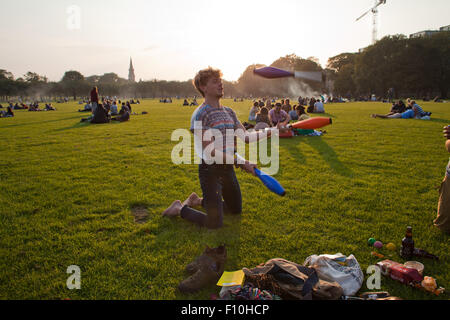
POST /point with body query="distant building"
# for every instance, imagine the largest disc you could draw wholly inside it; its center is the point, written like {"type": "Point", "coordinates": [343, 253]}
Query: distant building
{"type": "Point", "coordinates": [428, 33]}
{"type": "Point", "coordinates": [131, 76]}
{"type": "Point", "coordinates": [423, 34]}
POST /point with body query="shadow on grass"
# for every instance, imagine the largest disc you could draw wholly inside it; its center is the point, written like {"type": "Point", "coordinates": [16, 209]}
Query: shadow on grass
{"type": "Point", "coordinates": [326, 115]}
{"type": "Point", "coordinates": [195, 239]}
{"type": "Point", "coordinates": [292, 146]}
{"type": "Point", "coordinates": [75, 126]}
{"type": "Point", "coordinates": [440, 120]}
{"type": "Point", "coordinates": [39, 122]}
{"type": "Point", "coordinates": [329, 155]}
{"type": "Point", "coordinates": [81, 125]}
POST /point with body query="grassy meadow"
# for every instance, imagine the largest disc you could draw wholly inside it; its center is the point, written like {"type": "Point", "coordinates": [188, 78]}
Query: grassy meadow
{"type": "Point", "coordinates": [67, 191]}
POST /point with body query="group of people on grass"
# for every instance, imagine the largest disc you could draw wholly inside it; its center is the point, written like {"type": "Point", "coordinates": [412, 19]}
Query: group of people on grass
{"type": "Point", "coordinates": [314, 105]}
{"type": "Point", "coordinates": [270, 114]}
{"type": "Point", "coordinates": [106, 111]}
{"type": "Point", "coordinates": [193, 103]}
{"type": "Point", "coordinates": [34, 106]}
{"type": "Point", "coordinates": [401, 111]}
{"type": "Point", "coordinates": [165, 100]}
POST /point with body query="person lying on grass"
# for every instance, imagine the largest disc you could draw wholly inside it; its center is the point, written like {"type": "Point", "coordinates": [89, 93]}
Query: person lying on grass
{"type": "Point", "coordinates": [220, 187]}
{"type": "Point", "coordinates": [413, 111]}
{"type": "Point", "coordinates": [408, 114]}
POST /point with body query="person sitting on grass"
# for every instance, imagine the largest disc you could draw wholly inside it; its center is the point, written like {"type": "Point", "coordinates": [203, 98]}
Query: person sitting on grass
{"type": "Point", "coordinates": [124, 109]}
{"type": "Point", "coordinates": [129, 106]}
{"type": "Point", "coordinates": [100, 115]}
{"type": "Point", "coordinates": [293, 113]}
{"type": "Point", "coordinates": [287, 106]}
{"type": "Point", "coordinates": [318, 107]}
{"type": "Point", "coordinates": [33, 107]}
{"type": "Point", "coordinates": [302, 115]}
{"type": "Point", "coordinates": [49, 107]}
{"type": "Point", "coordinates": [194, 102]}
{"type": "Point", "coordinates": [418, 111]}
{"type": "Point", "coordinates": [442, 221]}
{"type": "Point", "coordinates": [123, 116]}
{"type": "Point", "coordinates": [87, 108]}
{"type": "Point", "coordinates": [114, 109]}
{"type": "Point", "coordinates": [279, 116]}
{"type": "Point", "coordinates": [253, 111]}
{"type": "Point", "coordinates": [8, 113]}
{"type": "Point", "coordinates": [398, 107]}
{"type": "Point", "coordinates": [262, 119]}
{"type": "Point", "coordinates": [185, 102]}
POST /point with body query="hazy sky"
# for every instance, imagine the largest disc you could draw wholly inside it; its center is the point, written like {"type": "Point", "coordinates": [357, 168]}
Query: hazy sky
{"type": "Point", "coordinates": [172, 39]}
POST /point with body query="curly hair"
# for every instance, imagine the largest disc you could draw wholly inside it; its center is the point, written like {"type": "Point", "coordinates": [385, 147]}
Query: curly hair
{"type": "Point", "coordinates": [203, 76]}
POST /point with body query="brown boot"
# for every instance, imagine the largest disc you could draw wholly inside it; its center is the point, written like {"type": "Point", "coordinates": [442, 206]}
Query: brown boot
{"type": "Point", "coordinates": [208, 268]}
{"type": "Point", "coordinates": [209, 253]}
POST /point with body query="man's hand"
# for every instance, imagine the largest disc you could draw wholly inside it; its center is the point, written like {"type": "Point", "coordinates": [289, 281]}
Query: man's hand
{"type": "Point", "coordinates": [248, 167]}
{"type": "Point", "coordinates": [282, 127]}
{"type": "Point", "coordinates": [447, 132]}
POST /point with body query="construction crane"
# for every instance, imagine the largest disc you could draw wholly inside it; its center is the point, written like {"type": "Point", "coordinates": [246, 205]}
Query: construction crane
{"type": "Point", "coordinates": [374, 10]}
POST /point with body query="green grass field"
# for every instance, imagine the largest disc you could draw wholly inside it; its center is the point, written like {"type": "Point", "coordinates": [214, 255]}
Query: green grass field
{"type": "Point", "coordinates": [67, 190]}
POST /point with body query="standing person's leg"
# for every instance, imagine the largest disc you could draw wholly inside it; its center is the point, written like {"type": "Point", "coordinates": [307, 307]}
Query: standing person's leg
{"type": "Point", "coordinates": [442, 220]}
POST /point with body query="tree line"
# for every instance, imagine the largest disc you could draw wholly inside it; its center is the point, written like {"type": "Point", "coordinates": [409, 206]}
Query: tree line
{"type": "Point", "coordinates": [418, 67]}
{"type": "Point", "coordinates": [412, 67]}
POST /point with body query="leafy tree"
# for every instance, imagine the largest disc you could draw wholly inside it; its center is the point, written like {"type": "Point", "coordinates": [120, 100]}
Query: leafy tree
{"type": "Point", "coordinates": [74, 83]}
{"type": "Point", "coordinates": [337, 62]}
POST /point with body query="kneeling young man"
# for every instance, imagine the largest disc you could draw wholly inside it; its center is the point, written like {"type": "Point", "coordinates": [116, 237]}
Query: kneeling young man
{"type": "Point", "coordinates": [220, 187]}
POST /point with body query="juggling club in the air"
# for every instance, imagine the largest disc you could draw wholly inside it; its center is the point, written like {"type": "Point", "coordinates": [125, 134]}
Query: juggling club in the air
{"type": "Point", "coordinates": [273, 73]}
{"type": "Point", "coordinates": [270, 182]}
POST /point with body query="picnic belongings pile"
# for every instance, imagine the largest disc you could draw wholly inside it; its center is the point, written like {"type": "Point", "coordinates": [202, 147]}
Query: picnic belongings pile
{"type": "Point", "coordinates": [321, 277]}
{"type": "Point", "coordinates": [282, 279]}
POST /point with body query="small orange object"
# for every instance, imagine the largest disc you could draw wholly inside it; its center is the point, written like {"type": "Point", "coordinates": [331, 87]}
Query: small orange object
{"type": "Point", "coordinates": [376, 254]}
{"type": "Point", "coordinates": [430, 285]}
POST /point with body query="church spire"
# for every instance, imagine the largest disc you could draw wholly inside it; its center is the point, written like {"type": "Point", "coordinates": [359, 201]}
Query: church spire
{"type": "Point", "coordinates": [131, 76]}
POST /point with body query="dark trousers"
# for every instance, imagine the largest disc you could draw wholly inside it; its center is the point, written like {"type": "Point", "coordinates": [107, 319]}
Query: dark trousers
{"type": "Point", "coordinates": [221, 193]}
